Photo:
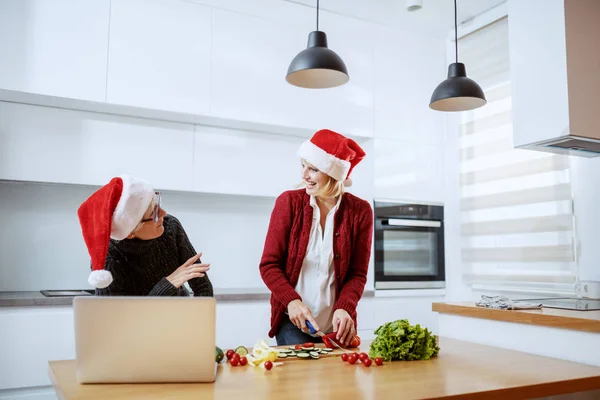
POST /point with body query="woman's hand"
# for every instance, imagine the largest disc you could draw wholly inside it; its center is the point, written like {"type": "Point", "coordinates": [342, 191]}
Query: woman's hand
{"type": "Point", "coordinates": [188, 271]}
{"type": "Point", "coordinates": [299, 313]}
{"type": "Point", "coordinates": [344, 326]}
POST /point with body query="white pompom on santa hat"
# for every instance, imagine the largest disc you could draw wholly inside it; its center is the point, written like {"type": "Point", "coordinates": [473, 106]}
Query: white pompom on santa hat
{"type": "Point", "coordinates": [113, 211]}
{"type": "Point", "coordinates": [332, 154]}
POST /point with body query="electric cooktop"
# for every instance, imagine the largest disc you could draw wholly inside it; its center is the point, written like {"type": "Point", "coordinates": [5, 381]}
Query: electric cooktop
{"type": "Point", "coordinates": [567, 303]}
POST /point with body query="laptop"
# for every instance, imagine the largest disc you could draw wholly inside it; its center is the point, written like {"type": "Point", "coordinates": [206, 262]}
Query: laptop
{"type": "Point", "coordinates": [145, 339]}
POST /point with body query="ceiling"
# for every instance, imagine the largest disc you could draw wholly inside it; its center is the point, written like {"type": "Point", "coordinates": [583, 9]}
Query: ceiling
{"type": "Point", "coordinates": [436, 17]}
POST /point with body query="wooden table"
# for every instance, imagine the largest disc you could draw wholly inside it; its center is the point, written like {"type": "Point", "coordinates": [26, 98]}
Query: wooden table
{"type": "Point", "coordinates": [462, 370]}
{"type": "Point", "coordinates": [587, 321]}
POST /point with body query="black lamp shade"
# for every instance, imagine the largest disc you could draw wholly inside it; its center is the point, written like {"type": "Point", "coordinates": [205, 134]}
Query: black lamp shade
{"type": "Point", "coordinates": [457, 93]}
{"type": "Point", "coordinates": [317, 67]}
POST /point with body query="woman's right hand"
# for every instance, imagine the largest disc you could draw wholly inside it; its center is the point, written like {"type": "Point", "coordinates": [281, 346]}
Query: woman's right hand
{"type": "Point", "coordinates": [188, 271]}
{"type": "Point", "coordinates": [299, 313]}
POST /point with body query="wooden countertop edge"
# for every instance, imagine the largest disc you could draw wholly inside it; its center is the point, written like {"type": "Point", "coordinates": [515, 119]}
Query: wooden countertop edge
{"type": "Point", "coordinates": [531, 317]}
{"type": "Point", "coordinates": [55, 386]}
{"type": "Point", "coordinates": [532, 391]}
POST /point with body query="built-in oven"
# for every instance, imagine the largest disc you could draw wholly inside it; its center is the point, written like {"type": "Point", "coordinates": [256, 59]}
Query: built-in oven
{"type": "Point", "coordinates": [409, 245]}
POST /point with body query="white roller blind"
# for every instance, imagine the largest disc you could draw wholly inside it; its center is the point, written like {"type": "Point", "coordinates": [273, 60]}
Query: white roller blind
{"type": "Point", "coordinates": [515, 205]}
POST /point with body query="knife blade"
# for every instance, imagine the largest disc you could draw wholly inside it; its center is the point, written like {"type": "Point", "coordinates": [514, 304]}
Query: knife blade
{"type": "Point", "coordinates": [316, 333]}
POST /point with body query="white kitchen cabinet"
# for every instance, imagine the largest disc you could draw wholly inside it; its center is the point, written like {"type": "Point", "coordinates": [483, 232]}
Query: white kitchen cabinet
{"type": "Point", "coordinates": [407, 70]}
{"type": "Point", "coordinates": [409, 171]}
{"type": "Point", "coordinates": [52, 145]}
{"type": "Point", "coordinates": [29, 338]}
{"type": "Point", "coordinates": [159, 55]}
{"type": "Point", "coordinates": [55, 47]}
{"type": "Point", "coordinates": [250, 58]}
{"type": "Point", "coordinates": [244, 163]}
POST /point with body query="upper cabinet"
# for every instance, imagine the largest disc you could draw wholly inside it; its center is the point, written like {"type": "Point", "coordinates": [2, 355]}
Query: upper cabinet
{"type": "Point", "coordinates": [555, 88]}
{"type": "Point", "coordinates": [250, 58]}
{"type": "Point", "coordinates": [407, 70]}
{"type": "Point", "coordinates": [56, 48]}
{"type": "Point", "coordinates": [159, 55]}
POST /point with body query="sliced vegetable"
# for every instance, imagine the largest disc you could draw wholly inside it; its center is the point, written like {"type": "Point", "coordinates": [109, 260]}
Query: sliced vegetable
{"type": "Point", "coordinates": [241, 350]}
{"type": "Point", "coordinates": [308, 345]}
{"type": "Point", "coordinates": [282, 355]}
{"type": "Point", "coordinates": [355, 342]}
{"type": "Point", "coordinates": [303, 355]}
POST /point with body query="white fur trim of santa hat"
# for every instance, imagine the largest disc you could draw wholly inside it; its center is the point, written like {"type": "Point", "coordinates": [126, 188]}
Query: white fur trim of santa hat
{"type": "Point", "coordinates": [134, 202]}
{"type": "Point", "coordinates": [325, 162]}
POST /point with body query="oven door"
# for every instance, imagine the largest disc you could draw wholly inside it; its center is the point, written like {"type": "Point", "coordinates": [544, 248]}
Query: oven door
{"type": "Point", "coordinates": [409, 254]}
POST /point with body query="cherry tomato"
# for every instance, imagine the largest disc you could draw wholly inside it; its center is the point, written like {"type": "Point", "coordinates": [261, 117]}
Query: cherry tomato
{"type": "Point", "coordinates": [352, 358]}
{"type": "Point", "coordinates": [236, 356]}
{"type": "Point", "coordinates": [367, 362]}
{"type": "Point", "coordinates": [298, 347]}
{"type": "Point", "coordinates": [243, 361]}
{"type": "Point", "coordinates": [234, 361]}
{"type": "Point", "coordinates": [363, 356]}
{"type": "Point", "coordinates": [230, 354]}
{"type": "Point", "coordinates": [378, 361]}
{"type": "Point", "coordinates": [345, 357]}
{"type": "Point", "coordinates": [355, 342]}
{"type": "Point", "coordinates": [268, 365]}
{"type": "Point", "coordinates": [308, 345]}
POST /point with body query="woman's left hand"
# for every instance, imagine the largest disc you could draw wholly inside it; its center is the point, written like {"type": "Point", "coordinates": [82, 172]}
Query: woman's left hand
{"type": "Point", "coordinates": [344, 326]}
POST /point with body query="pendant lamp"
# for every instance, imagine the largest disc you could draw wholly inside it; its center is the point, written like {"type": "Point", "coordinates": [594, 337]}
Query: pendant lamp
{"type": "Point", "coordinates": [457, 93]}
{"type": "Point", "coordinates": [317, 67]}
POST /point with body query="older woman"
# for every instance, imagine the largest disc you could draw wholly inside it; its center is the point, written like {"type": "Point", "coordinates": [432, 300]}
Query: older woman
{"type": "Point", "coordinates": [318, 245]}
{"type": "Point", "coordinates": [136, 248]}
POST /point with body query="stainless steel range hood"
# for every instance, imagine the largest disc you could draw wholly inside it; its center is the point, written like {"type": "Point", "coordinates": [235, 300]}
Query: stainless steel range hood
{"type": "Point", "coordinates": [555, 75]}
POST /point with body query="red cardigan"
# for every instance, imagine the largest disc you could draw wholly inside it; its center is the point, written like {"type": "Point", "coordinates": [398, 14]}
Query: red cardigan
{"type": "Point", "coordinates": [287, 241]}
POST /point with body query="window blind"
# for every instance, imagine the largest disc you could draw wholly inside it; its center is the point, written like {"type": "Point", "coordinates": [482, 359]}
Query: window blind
{"type": "Point", "coordinates": [516, 208]}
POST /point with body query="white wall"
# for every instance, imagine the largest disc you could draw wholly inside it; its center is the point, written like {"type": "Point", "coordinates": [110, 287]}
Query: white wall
{"type": "Point", "coordinates": [586, 197]}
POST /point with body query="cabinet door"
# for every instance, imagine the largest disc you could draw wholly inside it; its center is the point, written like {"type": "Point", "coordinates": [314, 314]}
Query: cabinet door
{"type": "Point", "coordinates": [250, 59]}
{"type": "Point", "coordinates": [408, 171]}
{"type": "Point", "coordinates": [53, 145]}
{"type": "Point", "coordinates": [29, 338]}
{"type": "Point", "coordinates": [407, 70]}
{"type": "Point", "coordinates": [56, 48]}
{"type": "Point", "coordinates": [244, 163]}
{"type": "Point", "coordinates": [160, 55]}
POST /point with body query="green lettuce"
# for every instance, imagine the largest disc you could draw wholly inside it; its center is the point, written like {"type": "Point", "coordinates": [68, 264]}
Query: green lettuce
{"type": "Point", "coordinates": [399, 340]}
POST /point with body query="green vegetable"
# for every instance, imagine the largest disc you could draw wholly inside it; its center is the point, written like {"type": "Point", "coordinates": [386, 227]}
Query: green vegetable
{"type": "Point", "coordinates": [219, 355]}
{"type": "Point", "coordinates": [399, 340]}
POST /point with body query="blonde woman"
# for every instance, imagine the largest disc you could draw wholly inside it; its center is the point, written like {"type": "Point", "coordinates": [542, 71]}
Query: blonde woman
{"type": "Point", "coordinates": [318, 245]}
{"type": "Point", "coordinates": [137, 249]}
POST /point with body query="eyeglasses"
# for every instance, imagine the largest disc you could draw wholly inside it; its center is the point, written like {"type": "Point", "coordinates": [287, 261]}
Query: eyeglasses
{"type": "Point", "coordinates": [155, 213]}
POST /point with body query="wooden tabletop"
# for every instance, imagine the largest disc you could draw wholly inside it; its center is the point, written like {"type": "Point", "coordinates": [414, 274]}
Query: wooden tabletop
{"type": "Point", "coordinates": [588, 321]}
{"type": "Point", "coordinates": [462, 370]}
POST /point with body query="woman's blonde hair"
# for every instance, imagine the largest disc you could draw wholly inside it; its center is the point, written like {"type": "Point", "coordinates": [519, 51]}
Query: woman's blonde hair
{"type": "Point", "coordinates": [331, 188]}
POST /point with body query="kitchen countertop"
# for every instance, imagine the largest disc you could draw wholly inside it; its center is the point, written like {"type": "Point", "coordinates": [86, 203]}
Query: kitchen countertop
{"type": "Point", "coordinates": [462, 370]}
{"type": "Point", "coordinates": [36, 299]}
{"type": "Point", "coordinates": [588, 321]}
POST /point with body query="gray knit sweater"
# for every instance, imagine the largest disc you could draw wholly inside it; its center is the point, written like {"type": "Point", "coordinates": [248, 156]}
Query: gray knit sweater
{"type": "Point", "coordinates": [140, 267]}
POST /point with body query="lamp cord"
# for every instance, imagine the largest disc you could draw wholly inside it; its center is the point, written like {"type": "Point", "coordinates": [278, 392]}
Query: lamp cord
{"type": "Point", "coordinates": [317, 15]}
{"type": "Point", "coordinates": [455, 30]}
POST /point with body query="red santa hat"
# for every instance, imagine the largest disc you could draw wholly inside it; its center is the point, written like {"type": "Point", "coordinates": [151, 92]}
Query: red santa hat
{"type": "Point", "coordinates": [113, 211]}
{"type": "Point", "coordinates": [332, 154]}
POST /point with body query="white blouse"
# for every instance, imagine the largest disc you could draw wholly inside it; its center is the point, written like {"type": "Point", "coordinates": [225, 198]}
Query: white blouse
{"type": "Point", "coordinates": [316, 284]}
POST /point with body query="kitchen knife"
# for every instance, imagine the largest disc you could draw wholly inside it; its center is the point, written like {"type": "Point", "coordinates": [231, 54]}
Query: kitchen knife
{"type": "Point", "coordinates": [316, 333]}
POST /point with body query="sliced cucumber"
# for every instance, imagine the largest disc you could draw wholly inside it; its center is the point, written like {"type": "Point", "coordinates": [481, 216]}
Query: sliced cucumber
{"type": "Point", "coordinates": [292, 348]}
{"type": "Point", "coordinates": [291, 355]}
{"type": "Point", "coordinates": [282, 355]}
{"type": "Point", "coordinates": [314, 356]}
{"type": "Point", "coordinates": [303, 355]}
{"type": "Point", "coordinates": [307, 349]}
{"type": "Point", "coordinates": [285, 351]}
{"type": "Point", "coordinates": [327, 350]}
